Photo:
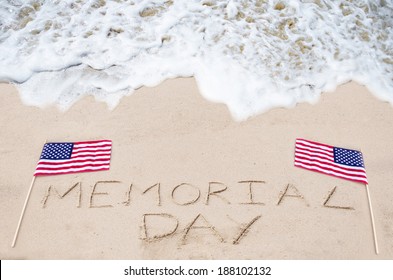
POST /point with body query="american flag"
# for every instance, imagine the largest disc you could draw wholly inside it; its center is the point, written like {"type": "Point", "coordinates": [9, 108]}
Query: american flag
{"type": "Point", "coordinates": [339, 162]}
{"type": "Point", "coordinates": [64, 158]}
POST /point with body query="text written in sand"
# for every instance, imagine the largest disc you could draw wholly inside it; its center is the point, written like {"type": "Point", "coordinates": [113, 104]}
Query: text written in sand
{"type": "Point", "coordinates": [163, 205]}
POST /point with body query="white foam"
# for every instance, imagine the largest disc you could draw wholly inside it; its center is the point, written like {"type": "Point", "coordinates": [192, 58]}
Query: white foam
{"type": "Point", "coordinates": [250, 55]}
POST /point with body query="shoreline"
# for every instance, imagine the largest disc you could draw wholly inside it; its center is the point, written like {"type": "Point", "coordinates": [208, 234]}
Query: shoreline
{"type": "Point", "coordinates": [188, 182]}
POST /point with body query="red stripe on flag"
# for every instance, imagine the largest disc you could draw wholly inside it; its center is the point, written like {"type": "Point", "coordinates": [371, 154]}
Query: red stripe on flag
{"type": "Point", "coordinates": [355, 180]}
{"type": "Point", "coordinates": [93, 142]}
{"type": "Point", "coordinates": [312, 142]}
{"type": "Point", "coordinates": [328, 169]}
{"type": "Point", "coordinates": [68, 172]}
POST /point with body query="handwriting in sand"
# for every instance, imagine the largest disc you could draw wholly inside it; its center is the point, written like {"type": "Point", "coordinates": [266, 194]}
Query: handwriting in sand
{"type": "Point", "coordinates": [100, 195]}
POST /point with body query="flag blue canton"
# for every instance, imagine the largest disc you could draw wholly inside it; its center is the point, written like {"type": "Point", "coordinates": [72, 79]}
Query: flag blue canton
{"type": "Point", "coordinates": [348, 157]}
{"type": "Point", "coordinates": [57, 151]}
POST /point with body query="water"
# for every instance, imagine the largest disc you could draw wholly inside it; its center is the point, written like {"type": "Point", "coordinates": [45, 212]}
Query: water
{"type": "Point", "coordinates": [250, 55]}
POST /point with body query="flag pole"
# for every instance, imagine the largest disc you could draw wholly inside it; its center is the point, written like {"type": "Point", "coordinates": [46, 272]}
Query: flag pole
{"type": "Point", "coordinates": [24, 209]}
{"type": "Point", "coordinates": [23, 213]}
{"type": "Point", "coordinates": [372, 216]}
{"type": "Point", "coordinates": [372, 220]}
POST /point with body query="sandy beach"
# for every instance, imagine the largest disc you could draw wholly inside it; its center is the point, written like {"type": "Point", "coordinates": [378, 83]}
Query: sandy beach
{"type": "Point", "coordinates": [188, 182]}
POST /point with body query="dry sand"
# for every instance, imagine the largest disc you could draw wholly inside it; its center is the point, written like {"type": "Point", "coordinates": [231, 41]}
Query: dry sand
{"type": "Point", "coordinates": [170, 139]}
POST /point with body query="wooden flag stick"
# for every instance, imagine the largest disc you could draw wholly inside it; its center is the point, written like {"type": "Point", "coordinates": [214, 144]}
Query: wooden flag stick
{"type": "Point", "coordinates": [372, 220]}
{"type": "Point", "coordinates": [23, 210]}
{"type": "Point", "coordinates": [23, 213]}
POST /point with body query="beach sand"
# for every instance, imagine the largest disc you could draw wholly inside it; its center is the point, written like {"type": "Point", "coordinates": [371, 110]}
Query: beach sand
{"type": "Point", "coordinates": [188, 182]}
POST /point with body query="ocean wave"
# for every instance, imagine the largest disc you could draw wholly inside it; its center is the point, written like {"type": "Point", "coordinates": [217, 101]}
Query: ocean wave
{"type": "Point", "coordinates": [250, 55]}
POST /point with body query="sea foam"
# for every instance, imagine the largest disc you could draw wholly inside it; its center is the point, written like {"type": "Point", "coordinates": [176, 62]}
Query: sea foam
{"type": "Point", "coordinates": [250, 55]}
